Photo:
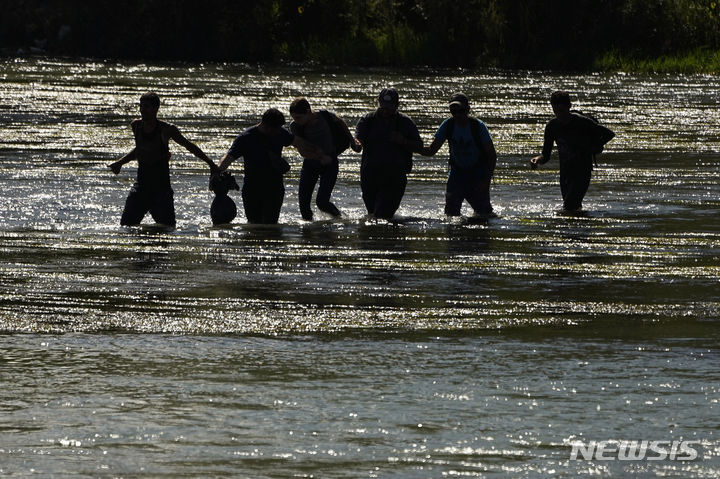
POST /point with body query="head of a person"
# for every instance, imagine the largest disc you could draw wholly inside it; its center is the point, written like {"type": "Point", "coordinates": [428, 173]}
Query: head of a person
{"type": "Point", "coordinates": [149, 105]}
{"type": "Point", "coordinates": [560, 102]}
{"type": "Point", "coordinates": [272, 121]}
{"type": "Point", "coordinates": [388, 102]}
{"type": "Point", "coordinates": [459, 105]}
{"type": "Point", "coordinates": [300, 111]}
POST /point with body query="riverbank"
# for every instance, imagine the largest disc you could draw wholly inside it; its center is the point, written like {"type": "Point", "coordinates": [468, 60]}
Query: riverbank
{"type": "Point", "coordinates": [667, 35]}
{"type": "Point", "coordinates": [700, 61]}
{"type": "Point", "coordinates": [696, 61]}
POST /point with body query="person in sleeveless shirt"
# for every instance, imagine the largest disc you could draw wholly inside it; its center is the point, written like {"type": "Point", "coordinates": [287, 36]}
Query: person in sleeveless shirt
{"type": "Point", "coordinates": [152, 191]}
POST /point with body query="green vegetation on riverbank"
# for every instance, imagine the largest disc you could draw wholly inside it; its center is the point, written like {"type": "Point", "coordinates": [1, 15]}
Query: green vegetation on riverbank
{"type": "Point", "coordinates": [634, 35]}
{"type": "Point", "coordinates": [696, 61]}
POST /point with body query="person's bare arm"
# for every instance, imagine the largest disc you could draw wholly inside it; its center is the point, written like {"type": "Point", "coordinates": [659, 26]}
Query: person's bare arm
{"type": "Point", "coordinates": [546, 151]}
{"type": "Point", "coordinates": [116, 166]}
{"type": "Point", "coordinates": [192, 148]}
{"type": "Point", "coordinates": [225, 162]}
{"type": "Point", "coordinates": [431, 149]}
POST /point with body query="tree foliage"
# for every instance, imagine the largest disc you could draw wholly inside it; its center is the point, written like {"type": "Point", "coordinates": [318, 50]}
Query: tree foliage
{"type": "Point", "coordinates": [475, 33]}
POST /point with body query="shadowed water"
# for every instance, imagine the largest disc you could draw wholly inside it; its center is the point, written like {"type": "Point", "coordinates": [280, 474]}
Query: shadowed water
{"type": "Point", "coordinates": [424, 348]}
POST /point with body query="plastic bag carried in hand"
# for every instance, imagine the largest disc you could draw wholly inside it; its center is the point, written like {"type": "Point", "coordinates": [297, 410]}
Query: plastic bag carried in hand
{"type": "Point", "coordinates": [223, 182]}
{"type": "Point", "coordinates": [223, 209]}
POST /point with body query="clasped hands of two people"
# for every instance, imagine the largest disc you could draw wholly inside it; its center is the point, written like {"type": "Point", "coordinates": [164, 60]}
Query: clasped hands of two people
{"type": "Point", "coordinates": [535, 162]}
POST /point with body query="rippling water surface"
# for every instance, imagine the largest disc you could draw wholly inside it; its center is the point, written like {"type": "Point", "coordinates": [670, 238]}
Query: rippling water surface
{"type": "Point", "coordinates": [425, 348]}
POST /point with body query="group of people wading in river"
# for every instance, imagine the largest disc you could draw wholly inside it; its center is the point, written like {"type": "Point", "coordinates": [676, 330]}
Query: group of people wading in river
{"type": "Point", "coordinates": [387, 139]}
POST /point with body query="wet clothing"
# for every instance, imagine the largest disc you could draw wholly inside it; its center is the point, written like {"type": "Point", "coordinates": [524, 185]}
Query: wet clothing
{"type": "Point", "coordinates": [576, 140]}
{"type": "Point", "coordinates": [469, 177]}
{"type": "Point", "coordinates": [151, 191]}
{"type": "Point", "coordinates": [382, 192]}
{"type": "Point", "coordinates": [262, 200]}
{"type": "Point", "coordinates": [311, 172]}
{"type": "Point", "coordinates": [319, 134]}
{"type": "Point", "coordinates": [573, 186]}
{"type": "Point", "coordinates": [263, 191]}
{"type": "Point", "coordinates": [140, 201]}
{"type": "Point", "coordinates": [385, 164]}
{"type": "Point", "coordinates": [153, 155]}
{"type": "Point", "coordinates": [472, 186]}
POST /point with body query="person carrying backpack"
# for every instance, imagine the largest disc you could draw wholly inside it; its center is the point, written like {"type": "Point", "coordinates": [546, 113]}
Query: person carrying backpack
{"type": "Point", "coordinates": [579, 138]}
{"type": "Point", "coordinates": [472, 158]}
{"type": "Point", "coordinates": [330, 134]}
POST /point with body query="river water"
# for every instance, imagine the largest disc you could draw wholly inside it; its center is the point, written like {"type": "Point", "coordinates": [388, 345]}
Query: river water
{"type": "Point", "coordinates": [355, 348]}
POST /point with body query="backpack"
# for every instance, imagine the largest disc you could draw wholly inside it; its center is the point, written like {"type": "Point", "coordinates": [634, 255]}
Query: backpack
{"type": "Point", "coordinates": [338, 132]}
{"type": "Point", "coordinates": [475, 133]}
{"type": "Point", "coordinates": [598, 146]}
{"type": "Point", "coordinates": [340, 138]}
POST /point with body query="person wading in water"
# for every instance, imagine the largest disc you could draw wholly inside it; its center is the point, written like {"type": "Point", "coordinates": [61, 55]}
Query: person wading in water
{"type": "Point", "coordinates": [319, 128]}
{"type": "Point", "coordinates": [578, 138]}
{"type": "Point", "coordinates": [472, 158]}
{"type": "Point", "coordinates": [261, 146]}
{"type": "Point", "coordinates": [388, 140]}
{"type": "Point", "coordinates": [152, 191]}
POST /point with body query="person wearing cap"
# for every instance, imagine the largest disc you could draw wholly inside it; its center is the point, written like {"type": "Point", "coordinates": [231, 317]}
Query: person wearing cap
{"type": "Point", "coordinates": [388, 140]}
{"type": "Point", "coordinates": [472, 158]}
{"type": "Point", "coordinates": [152, 191]}
{"type": "Point", "coordinates": [578, 138]}
{"type": "Point", "coordinates": [261, 147]}
{"type": "Point", "coordinates": [317, 128]}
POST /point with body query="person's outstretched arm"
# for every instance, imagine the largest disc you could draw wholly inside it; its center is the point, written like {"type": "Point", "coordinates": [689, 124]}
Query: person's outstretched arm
{"type": "Point", "coordinates": [432, 148]}
{"type": "Point", "coordinates": [354, 143]}
{"type": "Point", "coordinates": [546, 151]}
{"type": "Point", "coordinates": [192, 148]}
{"type": "Point", "coordinates": [116, 166]}
{"type": "Point", "coordinates": [225, 162]}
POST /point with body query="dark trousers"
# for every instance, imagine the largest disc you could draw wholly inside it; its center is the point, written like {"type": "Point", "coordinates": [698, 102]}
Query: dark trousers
{"type": "Point", "coordinates": [140, 201]}
{"type": "Point", "coordinates": [263, 199]}
{"type": "Point", "coordinates": [472, 185]}
{"type": "Point", "coordinates": [311, 172]}
{"type": "Point", "coordinates": [382, 191]}
{"type": "Point", "coordinates": [573, 186]}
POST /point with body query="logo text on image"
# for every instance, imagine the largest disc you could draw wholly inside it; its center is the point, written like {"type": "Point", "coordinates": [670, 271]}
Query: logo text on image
{"type": "Point", "coordinates": [634, 450]}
